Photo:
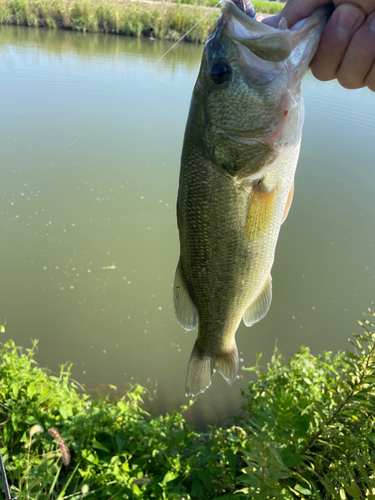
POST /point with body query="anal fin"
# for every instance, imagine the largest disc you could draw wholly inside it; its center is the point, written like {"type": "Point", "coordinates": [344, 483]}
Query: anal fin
{"type": "Point", "coordinates": [184, 307]}
{"type": "Point", "coordinates": [259, 308]}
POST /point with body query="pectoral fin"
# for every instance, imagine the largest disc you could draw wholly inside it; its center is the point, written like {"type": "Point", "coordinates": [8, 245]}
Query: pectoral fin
{"type": "Point", "coordinates": [260, 211]}
{"type": "Point", "coordinates": [259, 308]}
{"type": "Point", "coordinates": [288, 203]}
{"type": "Point", "coordinates": [184, 307]}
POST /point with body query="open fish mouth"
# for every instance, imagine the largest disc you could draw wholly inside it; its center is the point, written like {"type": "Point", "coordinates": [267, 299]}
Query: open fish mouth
{"type": "Point", "coordinates": [270, 44]}
{"type": "Point", "coordinates": [271, 61]}
{"type": "Point", "coordinates": [245, 6]}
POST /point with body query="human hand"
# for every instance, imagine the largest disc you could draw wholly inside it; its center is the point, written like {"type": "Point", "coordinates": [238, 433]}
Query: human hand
{"type": "Point", "coordinates": [347, 47]}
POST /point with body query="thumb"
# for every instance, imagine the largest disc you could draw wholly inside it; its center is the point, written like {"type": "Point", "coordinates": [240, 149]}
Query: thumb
{"type": "Point", "coordinates": [294, 11]}
{"type": "Point", "coordinates": [272, 20]}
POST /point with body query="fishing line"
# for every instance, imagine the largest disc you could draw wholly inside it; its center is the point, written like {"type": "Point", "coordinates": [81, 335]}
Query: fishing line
{"type": "Point", "coordinates": [155, 63]}
{"type": "Point", "coordinates": [191, 29]}
{"type": "Point", "coordinates": [2, 468]}
{"type": "Point", "coordinates": [55, 158]}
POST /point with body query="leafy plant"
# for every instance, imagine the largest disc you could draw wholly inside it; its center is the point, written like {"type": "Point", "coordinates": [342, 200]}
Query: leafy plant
{"type": "Point", "coordinates": [306, 430]}
{"type": "Point", "coordinates": [312, 424]}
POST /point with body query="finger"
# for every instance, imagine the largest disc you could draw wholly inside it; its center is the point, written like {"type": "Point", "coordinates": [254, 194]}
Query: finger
{"type": "Point", "coordinates": [336, 37]}
{"type": "Point", "coordinates": [272, 20]}
{"type": "Point", "coordinates": [359, 58]}
{"type": "Point", "coordinates": [367, 5]}
{"type": "Point", "coordinates": [295, 10]}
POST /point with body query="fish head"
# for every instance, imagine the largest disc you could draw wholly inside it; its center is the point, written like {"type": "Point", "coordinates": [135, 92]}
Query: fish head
{"type": "Point", "coordinates": [247, 97]}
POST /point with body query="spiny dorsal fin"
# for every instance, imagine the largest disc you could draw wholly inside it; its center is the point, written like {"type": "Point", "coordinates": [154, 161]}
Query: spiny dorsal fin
{"type": "Point", "coordinates": [184, 307]}
{"type": "Point", "coordinates": [259, 308]}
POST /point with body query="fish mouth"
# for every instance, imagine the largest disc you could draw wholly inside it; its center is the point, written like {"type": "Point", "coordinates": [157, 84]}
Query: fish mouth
{"type": "Point", "coordinates": [266, 42]}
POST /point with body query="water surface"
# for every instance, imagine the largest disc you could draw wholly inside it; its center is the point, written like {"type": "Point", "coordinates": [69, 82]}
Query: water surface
{"type": "Point", "coordinates": [91, 134]}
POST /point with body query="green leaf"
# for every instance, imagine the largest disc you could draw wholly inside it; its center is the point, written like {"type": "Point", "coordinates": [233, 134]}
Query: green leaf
{"type": "Point", "coordinates": [136, 490]}
{"type": "Point", "coordinates": [15, 389]}
{"type": "Point", "coordinates": [197, 490]}
{"type": "Point", "coordinates": [170, 476]}
{"type": "Point", "coordinates": [302, 490]}
{"type": "Point", "coordinates": [353, 490]}
{"type": "Point", "coordinates": [302, 425]}
{"type": "Point", "coordinates": [98, 445]}
{"type": "Point", "coordinates": [351, 355]}
{"type": "Point", "coordinates": [206, 480]}
{"type": "Point", "coordinates": [90, 457]}
{"type": "Point", "coordinates": [289, 457]}
{"type": "Point", "coordinates": [32, 390]}
{"type": "Point", "coordinates": [65, 411]}
{"type": "Point", "coordinates": [232, 459]}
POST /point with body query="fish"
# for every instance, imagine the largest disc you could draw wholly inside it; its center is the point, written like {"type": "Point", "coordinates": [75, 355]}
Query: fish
{"type": "Point", "coordinates": [236, 184]}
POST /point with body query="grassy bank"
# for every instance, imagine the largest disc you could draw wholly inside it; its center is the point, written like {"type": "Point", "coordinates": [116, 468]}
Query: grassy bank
{"type": "Point", "coordinates": [158, 19]}
{"type": "Point", "coordinates": [306, 431]}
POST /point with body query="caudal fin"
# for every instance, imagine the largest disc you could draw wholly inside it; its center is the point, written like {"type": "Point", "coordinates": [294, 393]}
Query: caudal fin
{"type": "Point", "coordinates": [202, 365]}
{"type": "Point", "coordinates": [227, 364]}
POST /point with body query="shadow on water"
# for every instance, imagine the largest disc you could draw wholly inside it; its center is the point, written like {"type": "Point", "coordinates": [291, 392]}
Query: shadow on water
{"type": "Point", "coordinates": [91, 137]}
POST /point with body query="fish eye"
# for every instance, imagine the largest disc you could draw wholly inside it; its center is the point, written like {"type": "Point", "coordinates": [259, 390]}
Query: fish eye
{"type": "Point", "coordinates": [220, 72]}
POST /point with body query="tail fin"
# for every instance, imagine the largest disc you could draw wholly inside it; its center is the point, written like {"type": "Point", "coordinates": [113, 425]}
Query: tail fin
{"type": "Point", "coordinates": [227, 364]}
{"type": "Point", "coordinates": [202, 365]}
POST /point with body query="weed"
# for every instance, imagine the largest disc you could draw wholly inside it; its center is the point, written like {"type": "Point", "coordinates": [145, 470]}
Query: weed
{"type": "Point", "coordinates": [306, 430]}
{"type": "Point", "coordinates": [164, 20]}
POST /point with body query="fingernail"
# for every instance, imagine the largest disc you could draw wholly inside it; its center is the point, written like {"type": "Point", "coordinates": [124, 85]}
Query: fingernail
{"type": "Point", "coordinates": [347, 19]}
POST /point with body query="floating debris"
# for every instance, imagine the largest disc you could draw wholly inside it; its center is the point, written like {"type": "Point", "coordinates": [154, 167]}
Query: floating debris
{"type": "Point", "coordinates": [109, 268]}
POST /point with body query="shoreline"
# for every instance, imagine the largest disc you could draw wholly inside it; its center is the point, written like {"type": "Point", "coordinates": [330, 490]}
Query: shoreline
{"type": "Point", "coordinates": [152, 19]}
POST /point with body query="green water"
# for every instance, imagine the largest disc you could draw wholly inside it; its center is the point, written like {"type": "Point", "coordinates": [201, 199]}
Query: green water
{"type": "Point", "coordinates": [90, 139]}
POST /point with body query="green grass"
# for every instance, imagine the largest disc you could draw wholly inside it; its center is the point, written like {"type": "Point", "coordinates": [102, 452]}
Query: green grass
{"type": "Point", "coordinates": [260, 6]}
{"type": "Point", "coordinates": [163, 19]}
{"type": "Point", "coordinates": [306, 430]}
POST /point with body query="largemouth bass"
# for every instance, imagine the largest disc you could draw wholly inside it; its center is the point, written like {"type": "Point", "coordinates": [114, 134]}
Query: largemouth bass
{"type": "Point", "coordinates": [239, 157]}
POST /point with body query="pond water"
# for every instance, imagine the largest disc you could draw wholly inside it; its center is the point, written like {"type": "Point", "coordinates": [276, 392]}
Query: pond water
{"type": "Point", "coordinates": [91, 134]}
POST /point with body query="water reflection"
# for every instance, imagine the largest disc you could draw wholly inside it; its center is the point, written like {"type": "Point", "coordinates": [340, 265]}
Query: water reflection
{"type": "Point", "coordinates": [91, 135]}
{"type": "Point", "coordinates": [86, 46]}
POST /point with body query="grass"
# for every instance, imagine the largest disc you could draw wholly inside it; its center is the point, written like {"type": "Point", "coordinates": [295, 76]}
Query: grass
{"type": "Point", "coordinates": [306, 430]}
{"type": "Point", "coordinates": [261, 6]}
{"type": "Point", "coordinates": [162, 20]}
